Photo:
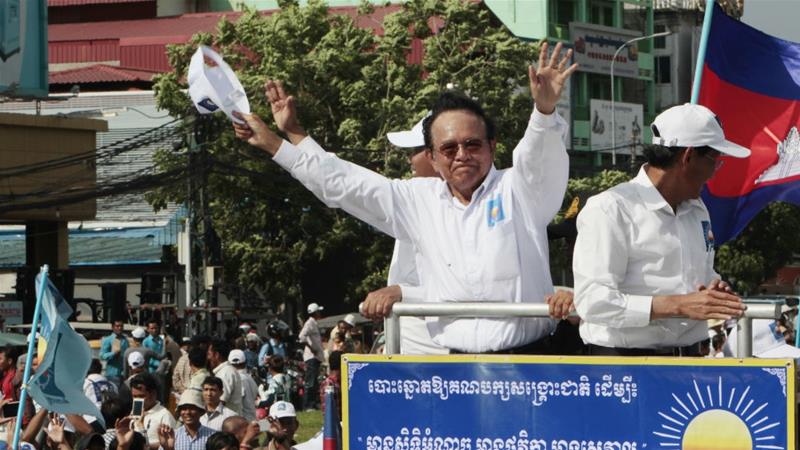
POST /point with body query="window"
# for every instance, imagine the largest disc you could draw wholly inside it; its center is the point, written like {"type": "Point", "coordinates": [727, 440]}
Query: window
{"type": "Point", "coordinates": [660, 42]}
{"type": "Point", "coordinates": [602, 13]}
{"type": "Point", "coordinates": [663, 69]}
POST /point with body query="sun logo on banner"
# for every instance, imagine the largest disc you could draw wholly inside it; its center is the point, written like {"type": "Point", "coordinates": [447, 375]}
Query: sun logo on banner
{"type": "Point", "coordinates": [717, 420]}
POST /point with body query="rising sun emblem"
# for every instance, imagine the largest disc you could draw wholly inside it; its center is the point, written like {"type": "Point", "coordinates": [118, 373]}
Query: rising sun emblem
{"type": "Point", "coordinates": [717, 420]}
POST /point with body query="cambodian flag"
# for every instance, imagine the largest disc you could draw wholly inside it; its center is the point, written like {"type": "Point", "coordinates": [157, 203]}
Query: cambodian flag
{"type": "Point", "coordinates": [752, 82]}
{"type": "Point", "coordinates": [331, 430]}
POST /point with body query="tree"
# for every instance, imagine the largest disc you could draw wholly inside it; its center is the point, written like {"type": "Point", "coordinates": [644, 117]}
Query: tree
{"type": "Point", "coordinates": [352, 87]}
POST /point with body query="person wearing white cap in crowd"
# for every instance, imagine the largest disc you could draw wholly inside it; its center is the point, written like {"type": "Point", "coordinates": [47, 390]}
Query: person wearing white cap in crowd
{"type": "Point", "coordinates": [403, 279]}
{"type": "Point", "coordinates": [215, 410]}
{"type": "Point", "coordinates": [480, 230]}
{"type": "Point", "coordinates": [283, 424]}
{"type": "Point", "coordinates": [643, 260]}
{"type": "Point", "coordinates": [341, 334]}
{"type": "Point", "coordinates": [313, 356]}
{"type": "Point", "coordinates": [192, 435]}
{"type": "Point", "coordinates": [249, 387]}
{"type": "Point", "coordinates": [136, 346]}
{"type": "Point", "coordinates": [252, 343]}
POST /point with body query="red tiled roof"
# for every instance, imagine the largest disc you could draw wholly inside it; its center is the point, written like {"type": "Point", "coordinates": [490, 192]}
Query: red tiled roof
{"type": "Point", "coordinates": [91, 2]}
{"type": "Point", "coordinates": [187, 24]}
{"type": "Point", "coordinates": [100, 73]}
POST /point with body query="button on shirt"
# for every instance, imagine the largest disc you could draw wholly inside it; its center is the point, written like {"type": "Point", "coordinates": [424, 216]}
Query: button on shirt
{"type": "Point", "coordinates": [474, 252]}
{"type": "Point", "coordinates": [631, 246]}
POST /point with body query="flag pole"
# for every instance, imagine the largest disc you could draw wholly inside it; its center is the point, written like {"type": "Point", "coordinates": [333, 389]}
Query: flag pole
{"type": "Point", "coordinates": [701, 51]}
{"type": "Point", "coordinates": [29, 357]}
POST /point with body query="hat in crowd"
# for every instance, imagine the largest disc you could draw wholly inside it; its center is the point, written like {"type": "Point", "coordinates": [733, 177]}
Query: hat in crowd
{"type": "Point", "coordinates": [312, 308]}
{"type": "Point", "coordinates": [138, 333]}
{"type": "Point", "coordinates": [350, 319]}
{"type": "Point", "coordinates": [252, 336]}
{"type": "Point", "coordinates": [244, 326]}
{"type": "Point", "coordinates": [186, 340]}
{"type": "Point", "coordinates": [236, 356]}
{"type": "Point", "coordinates": [768, 342]}
{"type": "Point", "coordinates": [691, 125]}
{"type": "Point", "coordinates": [412, 138]}
{"type": "Point", "coordinates": [191, 397]}
{"type": "Point", "coordinates": [282, 409]}
{"type": "Point", "coordinates": [136, 360]}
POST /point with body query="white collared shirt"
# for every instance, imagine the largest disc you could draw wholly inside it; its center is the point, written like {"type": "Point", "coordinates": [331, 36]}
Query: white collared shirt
{"type": "Point", "coordinates": [631, 246]}
{"type": "Point", "coordinates": [213, 419]}
{"type": "Point", "coordinates": [493, 249]}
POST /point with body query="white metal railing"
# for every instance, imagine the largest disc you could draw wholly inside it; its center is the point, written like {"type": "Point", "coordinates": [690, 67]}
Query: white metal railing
{"type": "Point", "coordinates": [496, 309]}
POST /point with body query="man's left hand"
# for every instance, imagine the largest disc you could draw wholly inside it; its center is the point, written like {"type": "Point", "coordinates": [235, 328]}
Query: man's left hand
{"type": "Point", "coordinates": [549, 77]}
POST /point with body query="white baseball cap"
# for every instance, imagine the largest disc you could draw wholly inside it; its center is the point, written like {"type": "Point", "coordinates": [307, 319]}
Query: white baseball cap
{"type": "Point", "coordinates": [282, 409]}
{"type": "Point", "coordinates": [409, 138]}
{"type": "Point", "coordinates": [136, 360]}
{"type": "Point", "coordinates": [252, 336]}
{"type": "Point", "coordinates": [312, 308]}
{"type": "Point", "coordinates": [138, 333]}
{"type": "Point", "coordinates": [236, 356]}
{"type": "Point", "coordinates": [768, 341]}
{"type": "Point", "coordinates": [690, 125]}
{"type": "Point", "coordinates": [350, 319]}
{"type": "Point", "coordinates": [215, 87]}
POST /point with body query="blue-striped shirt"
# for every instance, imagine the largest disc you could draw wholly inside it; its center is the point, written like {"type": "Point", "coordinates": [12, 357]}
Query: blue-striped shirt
{"type": "Point", "coordinates": [185, 442]}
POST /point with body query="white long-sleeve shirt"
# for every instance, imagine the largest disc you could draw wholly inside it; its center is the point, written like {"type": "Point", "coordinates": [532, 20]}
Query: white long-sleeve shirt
{"type": "Point", "coordinates": [631, 246]}
{"type": "Point", "coordinates": [493, 249]}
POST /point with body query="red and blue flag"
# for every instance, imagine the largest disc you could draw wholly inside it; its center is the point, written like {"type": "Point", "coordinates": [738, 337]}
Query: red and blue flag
{"type": "Point", "coordinates": [751, 81]}
{"type": "Point", "coordinates": [332, 431]}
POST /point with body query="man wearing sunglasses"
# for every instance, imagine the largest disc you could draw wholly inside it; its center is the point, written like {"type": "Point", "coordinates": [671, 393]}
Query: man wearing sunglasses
{"type": "Point", "coordinates": [643, 259]}
{"type": "Point", "coordinates": [480, 232]}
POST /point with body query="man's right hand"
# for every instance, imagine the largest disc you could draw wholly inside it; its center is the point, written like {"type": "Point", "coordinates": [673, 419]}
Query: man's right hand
{"type": "Point", "coordinates": [256, 133]}
{"type": "Point", "coordinates": [284, 111]}
{"type": "Point", "coordinates": [379, 303]}
{"type": "Point", "coordinates": [701, 305]}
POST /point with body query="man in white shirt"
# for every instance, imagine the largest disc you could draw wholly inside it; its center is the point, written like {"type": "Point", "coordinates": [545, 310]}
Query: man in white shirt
{"type": "Point", "coordinates": [231, 381]}
{"type": "Point", "coordinates": [476, 228]}
{"type": "Point", "coordinates": [145, 387]}
{"type": "Point", "coordinates": [215, 412]}
{"type": "Point", "coordinates": [313, 355]}
{"type": "Point", "coordinates": [644, 255]}
{"type": "Point", "coordinates": [238, 360]}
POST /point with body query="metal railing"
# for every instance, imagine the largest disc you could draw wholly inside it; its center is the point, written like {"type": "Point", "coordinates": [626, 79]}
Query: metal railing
{"type": "Point", "coordinates": [477, 309]}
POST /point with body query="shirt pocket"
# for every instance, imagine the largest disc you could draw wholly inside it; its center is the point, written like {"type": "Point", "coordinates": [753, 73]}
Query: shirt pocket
{"type": "Point", "coordinates": [500, 253]}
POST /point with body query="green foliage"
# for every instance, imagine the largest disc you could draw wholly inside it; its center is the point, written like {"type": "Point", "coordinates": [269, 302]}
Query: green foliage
{"type": "Point", "coordinates": [767, 244]}
{"type": "Point", "coordinates": [352, 87]}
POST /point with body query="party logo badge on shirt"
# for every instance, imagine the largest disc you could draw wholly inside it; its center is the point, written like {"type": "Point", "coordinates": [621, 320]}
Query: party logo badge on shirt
{"type": "Point", "coordinates": [708, 235]}
{"type": "Point", "coordinates": [494, 211]}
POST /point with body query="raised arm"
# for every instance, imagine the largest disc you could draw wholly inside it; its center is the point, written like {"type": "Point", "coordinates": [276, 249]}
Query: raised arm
{"type": "Point", "coordinates": [541, 164]}
{"type": "Point", "coordinates": [365, 194]}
